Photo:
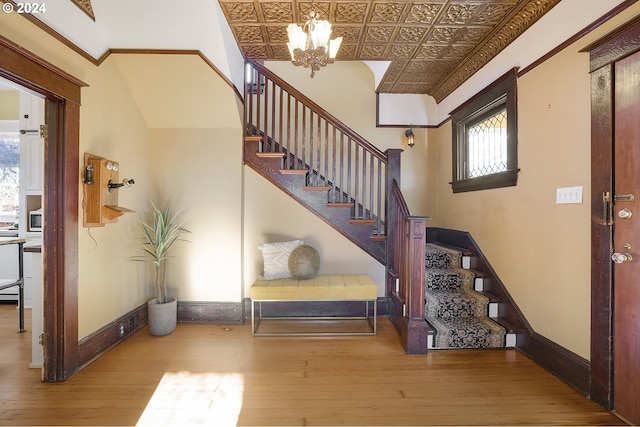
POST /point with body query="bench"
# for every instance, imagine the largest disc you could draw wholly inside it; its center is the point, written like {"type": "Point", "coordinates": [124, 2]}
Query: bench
{"type": "Point", "coordinates": [321, 288]}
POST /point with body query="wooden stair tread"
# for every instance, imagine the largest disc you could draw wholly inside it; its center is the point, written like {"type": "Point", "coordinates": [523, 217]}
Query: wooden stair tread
{"type": "Point", "coordinates": [270, 154]}
{"type": "Point", "coordinates": [492, 297]}
{"type": "Point", "coordinates": [464, 251]}
{"type": "Point", "coordinates": [362, 221]}
{"type": "Point", "coordinates": [294, 171]}
{"type": "Point", "coordinates": [479, 274]}
{"type": "Point", "coordinates": [253, 138]}
{"type": "Point", "coordinates": [508, 326]}
{"type": "Point", "coordinates": [379, 238]}
{"type": "Point", "coordinates": [316, 188]}
{"type": "Point", "coordinates": [339, 205]}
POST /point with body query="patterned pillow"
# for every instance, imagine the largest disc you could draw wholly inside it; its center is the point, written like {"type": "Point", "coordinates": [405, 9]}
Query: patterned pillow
{"type": "Point", "coordinates": [304, 262]}
{"type": "Point", "coordinates": [276, 258]}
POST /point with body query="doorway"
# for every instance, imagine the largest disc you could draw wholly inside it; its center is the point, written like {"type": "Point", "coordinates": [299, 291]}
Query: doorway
{"type": "Point", "coordinates": [61, 171]}
{"type": "Point", "coordinates": [21, 202]}
{"type": "Point", "coordinates": [615, 182]}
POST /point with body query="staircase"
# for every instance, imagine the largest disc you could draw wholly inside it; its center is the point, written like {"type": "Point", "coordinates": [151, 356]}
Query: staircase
{"type": "Point", "coordinates": [458, 312]}
{"type": "Point", "coordinates": [354, 187]}
{"type": "Point", "coordinates": [317, 160]}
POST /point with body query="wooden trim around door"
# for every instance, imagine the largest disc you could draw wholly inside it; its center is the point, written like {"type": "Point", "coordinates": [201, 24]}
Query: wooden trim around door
{"type": "Point", "coordinates": [603, 55]}
{"type": "Point", "coordinates": [60, 194]}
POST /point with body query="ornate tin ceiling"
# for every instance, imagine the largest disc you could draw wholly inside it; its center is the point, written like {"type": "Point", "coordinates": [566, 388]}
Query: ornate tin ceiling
{"type": "Point", "coordinates": [433, 46]}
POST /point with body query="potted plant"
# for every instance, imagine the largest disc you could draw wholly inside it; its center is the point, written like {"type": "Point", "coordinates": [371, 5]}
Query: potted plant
{"type": "Point", "coordinates": [160, 230]}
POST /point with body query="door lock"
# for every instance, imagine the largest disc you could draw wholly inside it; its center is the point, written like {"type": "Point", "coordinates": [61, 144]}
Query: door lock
{"type": "Point", "coordinates": [625, 213]}
{"type": "Point", "coordinates": [619, 258]}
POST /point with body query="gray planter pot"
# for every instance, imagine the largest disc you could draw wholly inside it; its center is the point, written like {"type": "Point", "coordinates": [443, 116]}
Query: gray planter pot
{"type": "Point", "coordinates": [162, 317]}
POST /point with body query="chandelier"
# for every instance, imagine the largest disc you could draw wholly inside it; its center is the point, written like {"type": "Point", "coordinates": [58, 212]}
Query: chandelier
{"type": "Point", "coordinates": [311, 46]}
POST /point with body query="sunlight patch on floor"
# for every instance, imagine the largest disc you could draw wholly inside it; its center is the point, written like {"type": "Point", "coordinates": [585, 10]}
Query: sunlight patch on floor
{"type": "Point", "coordinates": [195, 399]}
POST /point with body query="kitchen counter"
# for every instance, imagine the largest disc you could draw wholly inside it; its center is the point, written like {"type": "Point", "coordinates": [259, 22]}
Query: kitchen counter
{"type": "Point", "coordinates": [12, 240]}
{"type": "Point", "coordinates": [8, 232]}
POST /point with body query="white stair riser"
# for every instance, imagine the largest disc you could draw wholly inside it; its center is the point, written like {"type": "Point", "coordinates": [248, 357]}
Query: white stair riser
{"type": "Point", "coordinates": [466, 262]}
{"type": "Point", "coordinates": [493, 309]}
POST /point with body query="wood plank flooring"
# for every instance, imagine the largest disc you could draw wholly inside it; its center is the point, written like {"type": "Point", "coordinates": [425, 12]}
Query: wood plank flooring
{"type": "Point", "coordinates": [217, 375]}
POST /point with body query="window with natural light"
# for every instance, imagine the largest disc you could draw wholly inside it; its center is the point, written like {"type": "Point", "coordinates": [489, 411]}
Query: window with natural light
{"type": "Point", "coordinates": [485, 138]}
{"type": "Point", "coordinates": [9, 172]}
{"type": "Point", "coordinates": [487, 145]}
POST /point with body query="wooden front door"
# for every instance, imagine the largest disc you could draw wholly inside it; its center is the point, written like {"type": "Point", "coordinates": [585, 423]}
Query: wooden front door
{"type": "Point", "coordinates": [626, 240]}
{"type": "Point", "coordinates": [615, 232]}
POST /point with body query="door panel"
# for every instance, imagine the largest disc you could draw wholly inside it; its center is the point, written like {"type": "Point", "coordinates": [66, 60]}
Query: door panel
{"type": "Point", "coordinates": [626, 240]}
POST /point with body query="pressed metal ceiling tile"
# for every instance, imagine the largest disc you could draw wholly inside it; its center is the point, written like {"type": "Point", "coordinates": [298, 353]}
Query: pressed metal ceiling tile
{"type": "Point", "coordinates": [433, 46]}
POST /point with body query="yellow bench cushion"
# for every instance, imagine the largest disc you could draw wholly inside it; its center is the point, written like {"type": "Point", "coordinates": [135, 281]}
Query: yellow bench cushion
{"type": "Point", "coordinates": [345, 287]}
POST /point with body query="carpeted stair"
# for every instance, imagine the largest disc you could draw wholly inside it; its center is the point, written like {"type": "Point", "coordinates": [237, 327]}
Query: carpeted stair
{"type": "Point", "coordinates": [457, 312]}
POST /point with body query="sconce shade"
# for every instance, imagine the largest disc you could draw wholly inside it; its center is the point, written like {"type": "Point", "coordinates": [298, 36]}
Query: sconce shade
{"type": "Point", "coordinates": [410, 137]}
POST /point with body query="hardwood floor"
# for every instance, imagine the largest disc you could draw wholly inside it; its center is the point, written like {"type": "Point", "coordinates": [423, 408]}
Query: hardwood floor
{"type": "Point", "coordinates": [219, 375]}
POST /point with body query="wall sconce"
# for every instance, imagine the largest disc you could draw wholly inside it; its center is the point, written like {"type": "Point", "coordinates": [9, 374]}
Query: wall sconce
{"type": "Point", "coordinates": [410, 137]}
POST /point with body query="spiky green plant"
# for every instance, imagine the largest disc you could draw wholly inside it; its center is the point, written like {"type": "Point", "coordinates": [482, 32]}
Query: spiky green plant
{"type": "Point", "coordinates": [160, 230]}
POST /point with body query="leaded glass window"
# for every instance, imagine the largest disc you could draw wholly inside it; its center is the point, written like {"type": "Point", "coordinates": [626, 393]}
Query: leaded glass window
{"type": "Point", "coordinates": [485, 138]}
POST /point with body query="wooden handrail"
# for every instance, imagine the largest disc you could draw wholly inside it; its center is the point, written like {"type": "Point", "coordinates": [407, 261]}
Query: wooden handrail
{"type": "Point", "coordinates": [315, 107]}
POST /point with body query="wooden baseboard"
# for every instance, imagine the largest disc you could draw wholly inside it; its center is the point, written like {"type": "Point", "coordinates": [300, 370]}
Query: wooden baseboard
{"type": "Point", "coordinates": [566, 365]}
{"type": "Point", "coordinates": [99, 342]}
{"type": "Point", "coordinates": [563, 363]}
{"type": "Point", "coordinates": [210, 312]}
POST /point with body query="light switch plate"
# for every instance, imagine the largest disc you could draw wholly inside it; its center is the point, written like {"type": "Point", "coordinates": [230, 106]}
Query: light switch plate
{"type": "Point", "coordinates": [567, 195]}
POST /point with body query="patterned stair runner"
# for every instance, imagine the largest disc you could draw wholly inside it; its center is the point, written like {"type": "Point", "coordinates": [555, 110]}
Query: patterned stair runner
{"type": "Point", "coordinates": [457, 312]}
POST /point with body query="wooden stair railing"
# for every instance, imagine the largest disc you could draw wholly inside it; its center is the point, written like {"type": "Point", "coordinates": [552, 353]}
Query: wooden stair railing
{"type": "Point", "coordinates": [344, 180]}
{"type": "Point", "coordinates": [351, 174]}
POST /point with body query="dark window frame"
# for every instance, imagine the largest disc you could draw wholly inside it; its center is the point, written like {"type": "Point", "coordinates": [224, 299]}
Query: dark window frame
{"type": "Point", "coordinates": [500, 94]}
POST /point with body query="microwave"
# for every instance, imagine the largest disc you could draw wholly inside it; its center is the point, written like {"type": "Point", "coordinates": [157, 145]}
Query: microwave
{"type": "Point", "coordinates": [35, 220]}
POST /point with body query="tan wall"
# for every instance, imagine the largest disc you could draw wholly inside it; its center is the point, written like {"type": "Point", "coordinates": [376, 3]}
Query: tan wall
{"type": "Point", "coordinates": [111, 126]}
{"type": "Point", "coordinates": [200, 171]}
{"type": "Point", "coordinates": [540, 250]}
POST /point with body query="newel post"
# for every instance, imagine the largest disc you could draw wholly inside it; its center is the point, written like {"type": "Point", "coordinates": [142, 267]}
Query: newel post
{"type": "Point", "coordinates": [415, 341]}
{"type": "Point", "coordinates": [392, 173]}
{"type": "Point", "coordinates": [393, 166]}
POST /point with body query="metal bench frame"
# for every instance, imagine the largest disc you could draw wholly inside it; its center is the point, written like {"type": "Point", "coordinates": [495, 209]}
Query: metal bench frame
{"type": "Point", "coordinates": [257, 320]}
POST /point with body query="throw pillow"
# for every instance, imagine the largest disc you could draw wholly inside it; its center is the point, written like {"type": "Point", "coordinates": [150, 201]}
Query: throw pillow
{"type": "Point", "coordinates": [304, 262]}
{"type": "Point", "coordinates": [276, 258]}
